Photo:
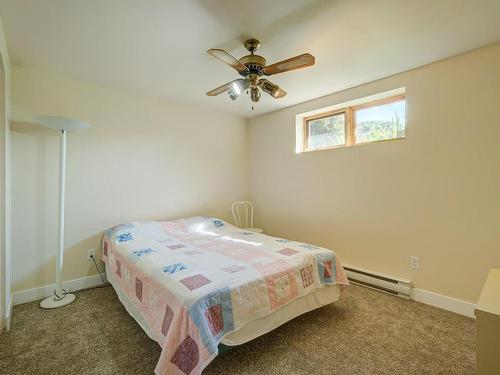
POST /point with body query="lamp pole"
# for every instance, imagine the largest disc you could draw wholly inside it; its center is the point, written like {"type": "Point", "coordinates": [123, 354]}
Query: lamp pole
{"type": "Point", "coordinates": [61, 297]}
{"type": "Point", "coordinates": [62, 191]}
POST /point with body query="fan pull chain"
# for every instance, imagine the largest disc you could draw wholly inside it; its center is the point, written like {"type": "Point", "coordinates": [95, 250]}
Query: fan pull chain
{"type": "Point", "coordinates": [252, 104]}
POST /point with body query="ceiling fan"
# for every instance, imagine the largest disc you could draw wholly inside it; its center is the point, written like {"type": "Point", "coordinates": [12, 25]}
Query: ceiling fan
{"type": "Point", "coordinates": [252, 67]}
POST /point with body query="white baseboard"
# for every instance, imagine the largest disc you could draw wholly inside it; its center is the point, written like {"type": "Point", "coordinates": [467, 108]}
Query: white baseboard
{"type": "Point", "coordinates": [444, 302]}
{"type": "Point", "coordinates": [419, 295]}
{"type": "Point", "coordinates": [41, 292]}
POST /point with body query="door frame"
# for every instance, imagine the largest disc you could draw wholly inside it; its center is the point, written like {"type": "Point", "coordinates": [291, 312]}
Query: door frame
{"type": "Point", "coordinates": [5, 245]}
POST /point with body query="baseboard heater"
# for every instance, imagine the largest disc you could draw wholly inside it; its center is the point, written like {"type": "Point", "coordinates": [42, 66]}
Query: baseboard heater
{"type": "Point", "coordinates": [375, 280]}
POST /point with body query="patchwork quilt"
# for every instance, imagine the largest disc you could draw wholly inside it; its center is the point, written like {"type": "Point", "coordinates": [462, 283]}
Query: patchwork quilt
{"type": "Point", "coordinates": [194, 280]}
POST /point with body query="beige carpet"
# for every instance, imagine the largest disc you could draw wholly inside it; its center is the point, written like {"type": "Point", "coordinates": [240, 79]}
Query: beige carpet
{"type": "Point", "coordinates": [366, 332]}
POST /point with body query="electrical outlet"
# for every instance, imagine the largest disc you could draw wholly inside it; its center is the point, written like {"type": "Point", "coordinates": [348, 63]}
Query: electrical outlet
{"type": "Point", "coordinates": [90, 254]}
{"type": "Point", "coordinates": [415, 262]}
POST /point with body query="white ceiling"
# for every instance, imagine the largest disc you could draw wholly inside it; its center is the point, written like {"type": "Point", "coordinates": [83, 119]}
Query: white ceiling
{"type": "Point", "coordinates": [158, 46]}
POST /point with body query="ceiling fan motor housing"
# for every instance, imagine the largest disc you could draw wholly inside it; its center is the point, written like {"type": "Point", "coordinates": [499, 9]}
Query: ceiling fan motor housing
{"type": "Point", "coordinates": [254, 63]}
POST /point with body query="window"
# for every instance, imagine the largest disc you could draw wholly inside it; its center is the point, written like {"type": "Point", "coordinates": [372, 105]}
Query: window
{"type": "Point", "coordinates": [380, 121]}
{"type": "Point", "coordinates": [326, 131]}
{"type": "Point", "coordinates": [374, 121]}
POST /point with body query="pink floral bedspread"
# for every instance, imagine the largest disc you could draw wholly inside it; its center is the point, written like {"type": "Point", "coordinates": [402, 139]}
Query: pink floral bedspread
{"type": "Point", "coordinates": [196, 279]}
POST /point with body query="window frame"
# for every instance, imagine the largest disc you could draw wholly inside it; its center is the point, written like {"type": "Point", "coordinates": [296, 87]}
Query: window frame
{"type": "Point", "coordinates": [350, 123]}
{"type": "Point", "coordinates": [319, 117]}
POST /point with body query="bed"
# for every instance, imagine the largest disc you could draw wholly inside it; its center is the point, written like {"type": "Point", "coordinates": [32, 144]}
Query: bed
{"type": "Point", "coordinates": [198, 283]}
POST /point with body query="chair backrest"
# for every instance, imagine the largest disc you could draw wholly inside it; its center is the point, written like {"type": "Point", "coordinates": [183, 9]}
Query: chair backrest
{"type": "Point", "coordinates": [246, 220]}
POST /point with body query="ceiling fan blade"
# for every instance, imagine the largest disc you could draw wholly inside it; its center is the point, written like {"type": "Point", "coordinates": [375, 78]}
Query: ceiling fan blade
{"type": "Point", "coordinates": [271, 88]}
{"type": "Point", "coordinates": [230, 60]}
{"type": "Point", "coordinates": [293, 63]}
{"type": "Point", "coordinates": [241, 84]}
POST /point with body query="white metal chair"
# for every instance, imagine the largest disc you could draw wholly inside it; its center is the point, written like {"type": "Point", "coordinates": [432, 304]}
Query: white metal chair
{"type": "Point", "coordinates": [244, 206]}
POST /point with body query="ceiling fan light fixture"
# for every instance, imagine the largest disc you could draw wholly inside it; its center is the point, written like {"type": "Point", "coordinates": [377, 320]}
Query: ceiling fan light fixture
{"type": "Point", "coordinates": [236, 88]}
{"type": "Point", "coordinates": [254, 94]}
{"type": "Point", "coordinates": [269, 87]}
{"type": "Point", "coordinates": [232, 94]}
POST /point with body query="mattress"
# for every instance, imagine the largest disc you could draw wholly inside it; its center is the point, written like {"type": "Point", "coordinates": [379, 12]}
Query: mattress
{"type": "Point", "coordinates": [258, 327]}
{"type": "Point", "coordinates": [197, 282]}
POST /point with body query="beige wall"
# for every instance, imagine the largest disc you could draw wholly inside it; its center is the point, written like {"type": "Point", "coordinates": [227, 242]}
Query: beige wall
{"type": "Point", "coordinates": [433, 195]}
{"type": "Point", "coordinates": [143, 159]}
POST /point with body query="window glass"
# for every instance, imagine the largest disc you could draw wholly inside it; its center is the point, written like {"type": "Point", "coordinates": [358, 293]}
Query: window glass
{"type": "Point", "coordinates": [380, 122]}
{"type": "Point", "coordinates": [326, 132]}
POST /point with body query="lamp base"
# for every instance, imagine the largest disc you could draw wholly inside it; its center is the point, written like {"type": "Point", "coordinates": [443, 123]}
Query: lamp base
{"type": "Point", "coordinates": [53, 303]}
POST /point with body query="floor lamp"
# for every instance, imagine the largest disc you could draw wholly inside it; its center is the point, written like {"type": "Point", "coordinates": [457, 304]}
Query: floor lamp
{"type": "Point", "coordinates": [63, 126]}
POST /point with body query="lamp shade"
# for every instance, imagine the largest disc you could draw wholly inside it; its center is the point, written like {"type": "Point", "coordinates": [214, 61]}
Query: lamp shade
{"type": "Point", "coordinates": [61, 123]}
